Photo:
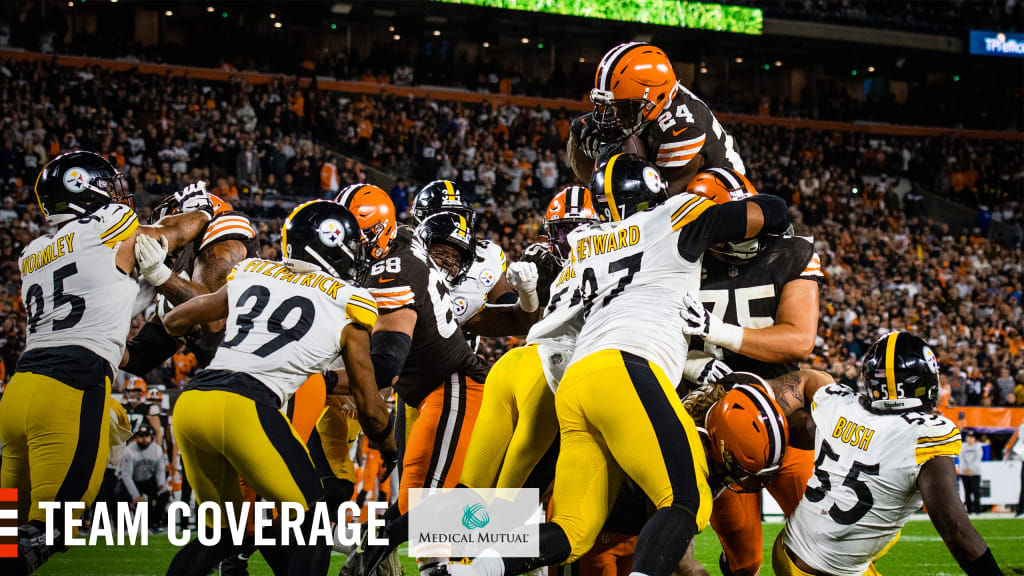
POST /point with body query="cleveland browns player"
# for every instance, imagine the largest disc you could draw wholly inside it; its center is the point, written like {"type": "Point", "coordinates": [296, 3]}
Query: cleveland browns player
{"type": "Point", "coordinates": [75, 283]}
{"type": "Point", "coordinates": [484, 295]}
{"type": "Point", "coordinates": [418, 349]}
{"type": "Point", "coordinates": [757, 312]}
{"type": "Point", "coordinates": [636, 94]}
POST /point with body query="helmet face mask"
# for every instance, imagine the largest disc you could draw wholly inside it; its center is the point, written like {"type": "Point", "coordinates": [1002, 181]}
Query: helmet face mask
{"type": "Point", "coordinates": [375, 213]}
{"type": "Point", "coordinates": [616, 120]}
{"type": "Point", "coordinates": [569, 209]}
{"type": "Point", "coordinates": [633, 84]}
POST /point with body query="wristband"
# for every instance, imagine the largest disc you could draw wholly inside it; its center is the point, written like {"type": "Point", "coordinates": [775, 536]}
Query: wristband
{"type": "Point", "coordinates": [728, 336]}
{"type": "Point", "coordinates": [383, 434]}
{"type": "Point", "coordinates": [984, 565]}
{"type": "Point", "coordinates": [528, 301]}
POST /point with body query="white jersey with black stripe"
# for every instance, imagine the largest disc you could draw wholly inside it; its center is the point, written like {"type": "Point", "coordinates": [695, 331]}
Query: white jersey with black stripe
{"type": "Point", "coordinates": [74, 294]}
{"type": "Point", "coordinates": [864, 487]}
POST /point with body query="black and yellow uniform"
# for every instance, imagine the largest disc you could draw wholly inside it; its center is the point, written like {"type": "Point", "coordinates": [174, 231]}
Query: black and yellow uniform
{"type": "Point", "coordinates": [54, 413]}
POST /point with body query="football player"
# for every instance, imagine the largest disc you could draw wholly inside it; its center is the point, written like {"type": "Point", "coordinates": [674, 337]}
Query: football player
{"type": "Point", "coordinates": [617, 406]}
{"type": "Point", "coordinates": [200, 267]}
{"type": "Point", "coordinates": [417, 347]}
{"type": "Point", "coordinates": [75, 282]}
{"type": "Point", "coordinates": [484, 295]}
{"type": "Point", "coordinates": [139, 409]}
{"type": "Point", "coordinates": [880, 454]}
{"type": "Point", "coordinates": [757, 312]}
{"type": "Point", "coordinates": [287, 320]}
{"type": "Point", "coordinates": [636, 93]}
{"type": "Point", "coordinates": [517, 424]}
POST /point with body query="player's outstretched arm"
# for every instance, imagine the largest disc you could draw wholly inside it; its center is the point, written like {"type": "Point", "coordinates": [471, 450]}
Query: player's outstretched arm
{"type": "Point", "coordinates": [212, 268]}
{"type": "Point", "coordinates": [173, 232]}
{"type": "Point", "coordinates": [390, 344]}
{"type": "Point", "coordinates": [199, 310]}
{"type": "Point", "coordinates": [362, 385]}
{"type": "Point", "coordinates": [512, 319]}
{"type": "Point", "coordinates": [732, 221]}
{"type": "Point", "coordinates": [937, 482]}
{"type": "Point", "coordinates": [796, 389]}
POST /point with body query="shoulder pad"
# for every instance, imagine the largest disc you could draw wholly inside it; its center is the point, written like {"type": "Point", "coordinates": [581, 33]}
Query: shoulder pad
{"type": "Point", "coordinates": [936, 436]}
{"type": "Point", "coordinates": [114, 223]}
{"type": "Point", "coordinates": [362, 309]}
{"type": "Point", "coordinates": [685, 208]}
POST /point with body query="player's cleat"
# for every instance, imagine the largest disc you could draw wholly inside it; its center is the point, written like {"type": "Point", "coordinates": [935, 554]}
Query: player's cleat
{"type": "Point", "coordinates": [438, 567]}
{"type": "Point", "coordinates": [235, 565]}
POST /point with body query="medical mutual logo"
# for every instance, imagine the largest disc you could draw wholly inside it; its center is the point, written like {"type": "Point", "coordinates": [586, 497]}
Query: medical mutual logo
{"type": "Point", "coordinates": [475, 516]}
{"type": "Point", "coordinates": [466, 523]}
{"type": "Point", "coordinates": [8, 522]}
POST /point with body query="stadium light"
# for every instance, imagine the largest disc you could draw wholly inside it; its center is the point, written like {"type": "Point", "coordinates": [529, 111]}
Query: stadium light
{"type": "Point", "coordinates": [396, 37]}
{"type": "Point", "coordinates": [113, 1]}
{"type": "Point", "coordinates": [71, 4]}
{"type": "Point", "coordinates": [487, 44]}
{"type": "Point", "coordinates": [778, 63]}
{"type": "Point", "coordinates": [739, 60]}
{"type": "Point", "coordinates": [767, 66]}
{"type": "Point", "coordinates": [582, 59]}
{"type": "Point", "coordinates": [853, 72]}
{"type": "Point", "coordinates": [540, 45]}
{"type": "Point", "coordinates": [169, 13]}
{"type": "Point", "coordinates": [956, 78]}
{"type": "Point", "coordinates": [703, 70]}
{"type": "Point", "coordinates": [437, 32]}
{"type": "Point", "coordinates": [524, 40]}
{"type": "Point", "coordinates": [224, 14]}
{"type": "Point", "coordinates": [273, 16]}
{"type": "Point", "coordinates": [871, 68]}
{"type": "Point", "coordinates": [209, 8]}
{"type": "Point", "coordinates": [334, 26]}
{"type": "Point", "coordinates": [277, 24]}
{"type": "Point", "coordinates": [391, 28]}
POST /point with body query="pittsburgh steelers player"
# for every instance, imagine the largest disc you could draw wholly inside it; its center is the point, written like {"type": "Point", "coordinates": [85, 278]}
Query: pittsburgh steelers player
{"type": "Point", "coordinates": [617, 406]}
{"type": "Point", "coordinates": [757, 312]}
{"type": "Point", "coordinates": [880, 454]}
{"type": "Point", "coordinates": [286, 321]}
{"type": "Point", "coordinates": [75, 281]}
{"type": "Point", "coordinates": [417, 346]}
{"type": "Point", "coordinates": [636, 94]}
{"type": "Point", "coordinates": [484, 296]}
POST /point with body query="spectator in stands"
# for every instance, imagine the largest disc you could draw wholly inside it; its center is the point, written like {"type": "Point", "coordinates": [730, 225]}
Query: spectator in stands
{"type": "Point", "coordinates": [1005, 386]}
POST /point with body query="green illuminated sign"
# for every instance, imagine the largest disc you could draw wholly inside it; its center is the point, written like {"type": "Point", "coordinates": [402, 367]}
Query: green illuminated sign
{"type": "Point", "coordinates": [679, 13]}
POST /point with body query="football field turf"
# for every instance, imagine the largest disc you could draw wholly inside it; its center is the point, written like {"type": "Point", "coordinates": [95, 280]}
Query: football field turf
{"type": "Point", "coordinates": [920, 552]}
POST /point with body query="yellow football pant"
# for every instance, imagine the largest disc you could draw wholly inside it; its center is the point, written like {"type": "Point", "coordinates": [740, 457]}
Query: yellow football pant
{"type": "Point", "coordinates": [223, 435]}
{"type": "Point", "coordinates": [783, 564]}
{"type": "Point", "coordinates": [337, 434]}
{"type": "Point", "coordinates": [516, 425]}
{"type": "Point", "coordinates": [55, 442]}
{"type": "Point", "coordinates": [619, 413]}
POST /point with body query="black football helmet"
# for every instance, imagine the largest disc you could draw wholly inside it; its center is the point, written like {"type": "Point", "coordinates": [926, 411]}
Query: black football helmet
{"type": "Point", "coordinates": [441, 196]}
{"type": "Point", "coordinates": [78, 183]}
{"type": "Point", "coordinates": [453, 230]}
{"type": "Point", "coordinates": [326, 235]}
{"type": "Point", "coordinates": [900, 373]}
{"type": "Point", "coordinates": [625, 184]}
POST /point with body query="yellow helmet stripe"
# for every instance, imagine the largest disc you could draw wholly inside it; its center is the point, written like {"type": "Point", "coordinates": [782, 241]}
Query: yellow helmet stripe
{"type": "Point", "coordinates": [36, 190]}
{"type": "Point", "coordinates": [451, 191]}
{"type": "Point", "coordinates": [890, 361]}
{"type": "Point", "coordinates": [609, 197]}
{"type": "Point", "coordinates": [463, 226]}
{"type": "Point", "coordinates": [287, 223]}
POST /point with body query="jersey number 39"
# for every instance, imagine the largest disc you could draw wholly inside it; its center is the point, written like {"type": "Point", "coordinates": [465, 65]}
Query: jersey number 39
{"type": "Point", "coordinates": [275, 323]}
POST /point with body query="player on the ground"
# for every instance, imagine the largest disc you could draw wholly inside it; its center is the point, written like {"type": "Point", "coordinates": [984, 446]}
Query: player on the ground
{"type": "Point", "coordinates": [485, 294]}
{"type": "Point", "coordinates": [636, 93]}
{"type": "Point", "coordinates": [880, 454]}
{"type": "Point", "coordinates": [617, 407]}
{"type": "Point", "coordinates": [75, 282]}
{"type": "Point", "coordinates": [285, 321]}
{"type": "Point", "coordinates": [517, 424]}
{"type": "Point", "coordinates": [760, 315]}
{"type": "Point", "coordinates": [417, 346]}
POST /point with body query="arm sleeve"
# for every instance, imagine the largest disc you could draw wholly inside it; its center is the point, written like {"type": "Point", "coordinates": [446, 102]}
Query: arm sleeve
{"type": "Point", "coordinates": [388, 351]}
{"type": "Point", "coordinates": [149, 349]}
{"type": "Point", "coordinates": [702, 223]}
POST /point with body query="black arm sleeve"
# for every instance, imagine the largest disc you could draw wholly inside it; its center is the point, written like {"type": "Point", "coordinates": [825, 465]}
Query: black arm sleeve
{"type": "Point", "coordinates": [728, 222]}
{"type": "Point", "coordinates": [149, 349]}
{"type": "Point", "coordinates": [388, 351]}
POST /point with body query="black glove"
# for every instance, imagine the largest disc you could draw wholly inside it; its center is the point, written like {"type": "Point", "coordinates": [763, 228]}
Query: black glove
{"type": "Point", "coordinates": [584, 134]}
{"type": "Point", "coordinates": [388, 462]}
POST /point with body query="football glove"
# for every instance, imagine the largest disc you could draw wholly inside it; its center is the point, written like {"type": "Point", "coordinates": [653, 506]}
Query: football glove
{"type": "Point", "coordinates": [194, 198]}
{"type": "Point", "coordinates": [522, 276]}
{"type": "Point", "coordinates": [584, 134]}
{"type": "Point", "coordinates": [149, 257]}
{"type": "Point", "coordinates": [700, 322]}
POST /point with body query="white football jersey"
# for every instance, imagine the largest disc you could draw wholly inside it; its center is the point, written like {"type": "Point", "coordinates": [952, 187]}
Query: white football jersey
{"type": "Point", "coordinates": [633, 278]}
{"type": "Point", "coordinates": [74, 294]}
{"type": "Point", "coordinates": [284, 326]}
{"type": "Point", "coordinates": [555, 334]}
{"type": "Point", "coordinates": [864, 486]}
{"type": "Point", "coordinates": [471, 294]}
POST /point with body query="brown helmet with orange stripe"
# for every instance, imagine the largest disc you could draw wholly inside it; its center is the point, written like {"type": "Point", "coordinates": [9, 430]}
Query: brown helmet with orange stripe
{"type": "Point", "coordinates": [572, 207]}
{"type": "Point", "coordinates": [633, 84]}
{"type": "Point", "coordinates": [723, 185]}
{"type": "Point", "coordinates": [375, 213]}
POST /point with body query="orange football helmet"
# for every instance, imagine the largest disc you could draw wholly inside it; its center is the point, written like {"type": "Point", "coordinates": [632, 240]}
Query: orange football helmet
{"type": "Point", "coordinates": [375, 213]}
{"type": "Point", "coordinates": [572, 207]}
{"type": "Point", "coordinates": [723, 185]}
{"type": "Point", "coordinates": [154, 395]}
{"type": "Point", "coordinates": [633, 84]}
{"type": "Point", "coordinates": [219, 206]}
{"type": "Point", "coordinates": [134, 383]}
{"type": "Point", "coordinates": [748, 433]}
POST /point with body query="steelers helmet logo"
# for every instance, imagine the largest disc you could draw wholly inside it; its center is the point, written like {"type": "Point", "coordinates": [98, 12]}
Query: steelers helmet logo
{"type": "Point", "coordinates": [461, 306]}
{"type": "Point", "coordinates": [331, 232]}
{"type": "Point", "coordinates": [76, 179]}
{"type": "Point", "coordinates": [931, 360]}
{"type": "Point", "coordinates": [487, 277]}
{"type": "Point", "coordinates": [652, 179]}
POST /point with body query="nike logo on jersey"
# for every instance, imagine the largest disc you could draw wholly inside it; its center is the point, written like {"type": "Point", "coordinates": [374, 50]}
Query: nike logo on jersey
{"type": "Point", "coordinates": [678, 132]}
{"type": "Point", "coordinates": [385, 280]}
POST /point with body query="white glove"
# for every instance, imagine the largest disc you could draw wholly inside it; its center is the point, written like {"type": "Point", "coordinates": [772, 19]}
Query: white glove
{"type": "Point", "coordinates": [194, 198]}
{"type": "Point", "coordinates": [710, 328]}
{"type": "Point", "coordinates": [712, 371]}
{"type": "Point", "coordinates": [150, 256]}
{"type": "Point", "coordinates": [522, 276]}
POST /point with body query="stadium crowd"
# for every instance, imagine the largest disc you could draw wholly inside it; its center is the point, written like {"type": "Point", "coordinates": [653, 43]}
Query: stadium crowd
{"type": "Point", "coordinates": [265, 147]}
